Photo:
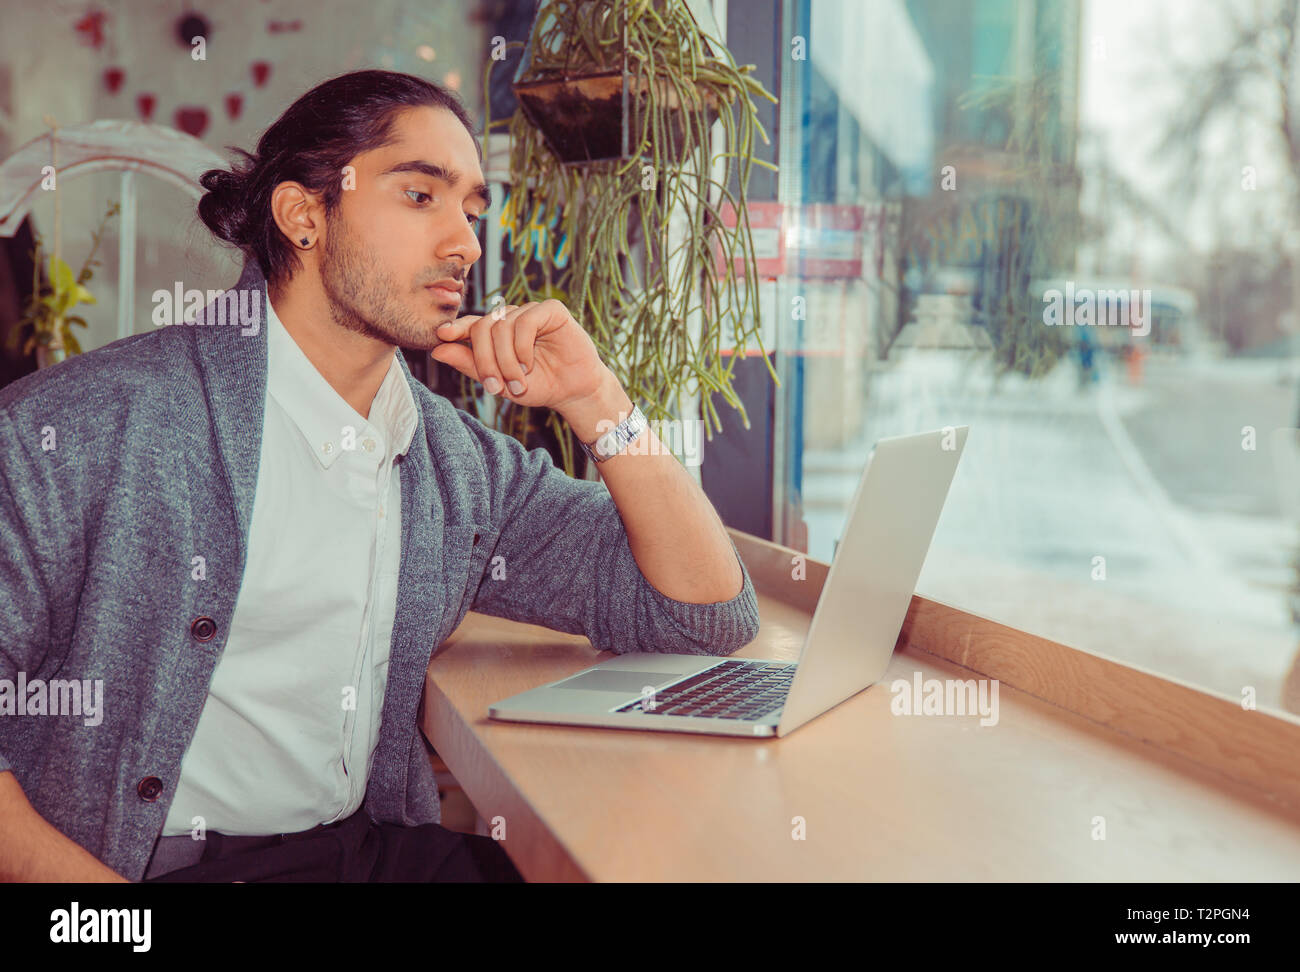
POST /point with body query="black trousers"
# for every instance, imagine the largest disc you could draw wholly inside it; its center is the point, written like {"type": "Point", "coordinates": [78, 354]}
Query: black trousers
{"type": "Point", "coordinates": [353, 850]}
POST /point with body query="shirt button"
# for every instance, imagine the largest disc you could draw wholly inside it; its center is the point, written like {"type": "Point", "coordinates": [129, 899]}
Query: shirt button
{"type": "Point", "coordinates": [368, 445]}
{"type": "Point", "coordinates": [327, 448]}
{"type": "Point", "coordinates": [149, 788]}
{"type": "Point", "coordinates": [203, 629]}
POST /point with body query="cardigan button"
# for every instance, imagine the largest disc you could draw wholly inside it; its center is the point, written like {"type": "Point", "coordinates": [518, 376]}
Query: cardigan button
{"type": "Point", "coordinates": [203, 629]}
{"type": "Point", "coordinates": [149, 789]}
{"type": "Point", "coordinates": [476, 538]}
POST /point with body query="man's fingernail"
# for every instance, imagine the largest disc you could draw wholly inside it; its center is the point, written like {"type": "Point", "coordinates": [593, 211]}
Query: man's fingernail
{"type": "Point", "coordinates": [444, 324]}
{"type": "Point", "coordinates": [516, 387]}
{"type": "Point", "coordinates": [492, 385]}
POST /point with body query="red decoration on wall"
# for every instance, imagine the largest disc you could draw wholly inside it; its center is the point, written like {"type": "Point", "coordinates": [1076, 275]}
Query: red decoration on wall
{"type": "Point", "coordinates": [279, 26]}
{"type": "Point", "coordinates": [91, 28]}
{"type": "Point", "coordinates": [234, 104]}
{"type": "Point", "coordinates": [261, 71]}
{"type": "Point", "coordinates": [145, 104]}
{"type": "Point", "coordinates": [193, 121]}
{"type": "Point", "coordinates": [113, 78]}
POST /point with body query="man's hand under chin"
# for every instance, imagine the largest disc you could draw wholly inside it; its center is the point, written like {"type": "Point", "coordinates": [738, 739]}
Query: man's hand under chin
{"type": "Point", "coordinates": [676, 536]}
{"type": "Point", "coordinates": [534, 354]}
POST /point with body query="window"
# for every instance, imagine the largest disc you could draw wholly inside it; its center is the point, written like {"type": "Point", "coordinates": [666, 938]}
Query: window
{"type": "Point", "coordinates": [966, 182]}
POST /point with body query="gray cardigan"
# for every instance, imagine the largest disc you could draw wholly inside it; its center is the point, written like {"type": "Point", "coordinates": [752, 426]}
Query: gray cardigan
{"type": "Point", "coordinates": [121, 466]}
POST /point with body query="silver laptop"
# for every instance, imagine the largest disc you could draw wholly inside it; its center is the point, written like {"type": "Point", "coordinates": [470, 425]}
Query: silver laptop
{"type": "Point", "coordinates": [849, 643]}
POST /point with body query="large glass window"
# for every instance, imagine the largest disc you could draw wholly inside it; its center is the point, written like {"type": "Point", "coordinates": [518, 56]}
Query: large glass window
{"type": "Point", "coordinates": [1029, 217]}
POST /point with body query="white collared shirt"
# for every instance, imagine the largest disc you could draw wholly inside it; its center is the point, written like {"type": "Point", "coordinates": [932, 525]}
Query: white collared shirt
{"type": "Point", "coordinates": [288, 733]}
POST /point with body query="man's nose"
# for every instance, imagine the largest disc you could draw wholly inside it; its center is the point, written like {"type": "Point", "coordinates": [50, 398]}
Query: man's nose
{"type": "Point", "coordinates": [462, 245]}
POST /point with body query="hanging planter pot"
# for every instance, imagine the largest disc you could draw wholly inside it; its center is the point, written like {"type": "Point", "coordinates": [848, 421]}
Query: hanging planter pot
{"type": "Point", "coordinates": [598, 117]}
{"type": "Point", "coordinates": [589, 106]}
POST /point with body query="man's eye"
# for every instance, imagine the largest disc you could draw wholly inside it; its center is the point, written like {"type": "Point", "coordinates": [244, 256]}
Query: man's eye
{"type": "Point", "coordinates": [418, 193]}
{"type": "Point", "coordinates": [473, 220]}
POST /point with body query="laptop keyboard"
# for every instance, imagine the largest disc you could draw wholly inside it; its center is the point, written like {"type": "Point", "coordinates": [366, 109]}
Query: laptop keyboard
{"type": "Point", "coordinates": [733, 690]}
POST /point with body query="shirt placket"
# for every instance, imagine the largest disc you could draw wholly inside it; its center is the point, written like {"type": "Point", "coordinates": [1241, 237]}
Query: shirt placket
{"type": "Point", "coordinates": [373, 451]}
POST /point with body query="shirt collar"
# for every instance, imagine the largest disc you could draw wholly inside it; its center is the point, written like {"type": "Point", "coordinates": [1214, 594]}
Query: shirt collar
{"type": "Point", "coordinates": [321, 413]}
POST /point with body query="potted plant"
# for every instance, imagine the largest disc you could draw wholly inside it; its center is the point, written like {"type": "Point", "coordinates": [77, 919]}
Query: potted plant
{"type": "Point", "coordinates": [577, 88]}
{"type": "Point", "coordinates": [611, 138]}
{"type": "Point", "coordinates": [47, 320]}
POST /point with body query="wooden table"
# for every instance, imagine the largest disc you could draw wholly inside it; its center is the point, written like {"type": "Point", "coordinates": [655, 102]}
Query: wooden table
{"type": "Point", "coordinates": [1185, 785]}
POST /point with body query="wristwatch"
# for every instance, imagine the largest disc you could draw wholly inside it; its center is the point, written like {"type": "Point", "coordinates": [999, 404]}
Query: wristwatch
{"type": "Point", "coordinates": [618, 438]}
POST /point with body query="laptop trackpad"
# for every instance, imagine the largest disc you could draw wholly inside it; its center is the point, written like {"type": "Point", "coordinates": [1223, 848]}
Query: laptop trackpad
{"type": "Point", "coordinates": [617, 681]}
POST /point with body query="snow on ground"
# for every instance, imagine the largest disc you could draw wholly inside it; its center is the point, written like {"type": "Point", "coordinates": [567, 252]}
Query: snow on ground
{"type": "Point", "coordinates": [1152, 478]}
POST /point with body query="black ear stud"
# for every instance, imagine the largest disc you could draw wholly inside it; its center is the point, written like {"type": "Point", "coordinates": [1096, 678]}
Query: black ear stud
{"type": "Point", "coordinates": [304, 241]}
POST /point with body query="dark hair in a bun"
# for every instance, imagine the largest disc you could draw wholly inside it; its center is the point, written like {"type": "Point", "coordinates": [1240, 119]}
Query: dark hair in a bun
{"type": "Point", "coordinates": [317, 136]}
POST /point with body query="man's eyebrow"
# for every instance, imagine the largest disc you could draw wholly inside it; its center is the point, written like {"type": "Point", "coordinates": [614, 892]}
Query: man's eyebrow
{"type": "Point", "coordinates": [437, 171]}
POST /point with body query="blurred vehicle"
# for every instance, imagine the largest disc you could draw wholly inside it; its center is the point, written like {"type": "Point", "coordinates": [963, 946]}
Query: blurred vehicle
{"type": "Point", "coordinates": [1171, 313]}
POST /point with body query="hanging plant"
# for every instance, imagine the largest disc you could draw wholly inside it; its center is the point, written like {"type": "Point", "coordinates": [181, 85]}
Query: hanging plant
{"type": "Point", "coordinates": [1039, 238]}
{"type": "Point", "coordinates": [612, 137]}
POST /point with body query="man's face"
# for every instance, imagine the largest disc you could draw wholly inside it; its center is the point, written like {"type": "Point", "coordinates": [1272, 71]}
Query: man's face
{"type": "Point", "coordinates": [406, 225]}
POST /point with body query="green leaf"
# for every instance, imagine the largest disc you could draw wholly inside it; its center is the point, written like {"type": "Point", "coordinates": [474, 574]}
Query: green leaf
{"type": "Point", "coordinates": [82, 295]}
{"type": "Point", "coordinates": [79, 321]}
{"type": "Point", "coordinates": [71, 343]}
{"type": "Point", "coordinates": [61, 275]}
{"type": "Point", "coordinates": [548, 291]}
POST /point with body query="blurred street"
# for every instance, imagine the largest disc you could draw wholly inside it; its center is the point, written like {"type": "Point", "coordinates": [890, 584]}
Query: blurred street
{"type": "Point", "coordinates": [1151, 477]}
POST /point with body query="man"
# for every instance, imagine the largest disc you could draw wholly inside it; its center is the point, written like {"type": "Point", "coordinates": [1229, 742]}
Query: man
{"type": "Point", "coordinates": [251, 534]}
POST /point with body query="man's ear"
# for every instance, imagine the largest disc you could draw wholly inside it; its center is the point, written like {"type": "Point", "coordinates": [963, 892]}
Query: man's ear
{"type": "Point", "coordinates": [298, 213]}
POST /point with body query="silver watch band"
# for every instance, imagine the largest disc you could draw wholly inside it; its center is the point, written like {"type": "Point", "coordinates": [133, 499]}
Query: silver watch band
{"type": "Point", "coordinates": [618, 438]}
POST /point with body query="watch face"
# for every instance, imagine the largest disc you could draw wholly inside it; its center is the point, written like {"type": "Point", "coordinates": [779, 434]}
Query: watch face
{"type": "Point", "coordinates": [616, 439]}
